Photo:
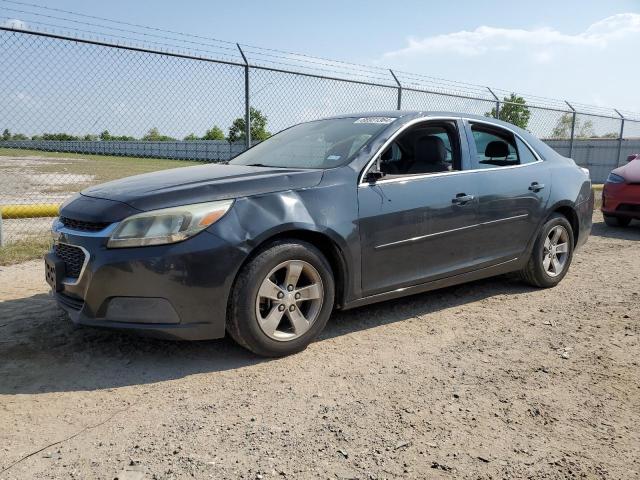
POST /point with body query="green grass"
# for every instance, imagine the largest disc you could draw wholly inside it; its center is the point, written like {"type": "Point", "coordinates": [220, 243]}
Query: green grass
{"type": "Point", "coordinates": [102, 167]}
{"type": "Point", "coordinates": [23, 250]}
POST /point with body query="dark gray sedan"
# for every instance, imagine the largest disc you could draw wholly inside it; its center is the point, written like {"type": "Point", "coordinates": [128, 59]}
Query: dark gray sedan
{"type": "Point", "coordinates": [333, 213]}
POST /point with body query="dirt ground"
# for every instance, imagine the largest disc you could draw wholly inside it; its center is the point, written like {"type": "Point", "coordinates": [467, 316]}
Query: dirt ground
{"type": "Point", "coordinates": [492, 379]}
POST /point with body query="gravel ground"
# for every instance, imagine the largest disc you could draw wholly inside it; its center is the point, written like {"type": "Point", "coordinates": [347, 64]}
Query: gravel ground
{"type": "Point", "coordinates": [486, 380]}
{"type": "Point", "coordinates": [23, 182]}
{"type": "Point", "coordinates": [28, 177]}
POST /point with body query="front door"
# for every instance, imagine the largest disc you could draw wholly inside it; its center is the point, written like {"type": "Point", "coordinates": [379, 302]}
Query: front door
{"type": "Point", "coordinates": [416, 230]}
{"type": "Point", "coordinates": [417, 223]}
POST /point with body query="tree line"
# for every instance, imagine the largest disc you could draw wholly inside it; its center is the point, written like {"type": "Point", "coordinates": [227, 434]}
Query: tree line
{"type": "Point", "coordinates": [515, 111]}
{"type": "Point", "coordinates": [236, 133]}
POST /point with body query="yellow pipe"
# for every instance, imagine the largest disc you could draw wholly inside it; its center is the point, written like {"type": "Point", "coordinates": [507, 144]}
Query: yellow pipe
{"type": "Point", "coordinates": [30, 211]}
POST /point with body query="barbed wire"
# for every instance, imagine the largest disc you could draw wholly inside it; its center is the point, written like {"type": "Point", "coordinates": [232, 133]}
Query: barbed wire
{"type": "Point", "coordinates": [115, 28]}
{"type": "Point", "coordinates": [123, 40]}
{"type": "Point", "coordinates": [196, 36]}
{"type": "Point", "coordinates": [214, 48]}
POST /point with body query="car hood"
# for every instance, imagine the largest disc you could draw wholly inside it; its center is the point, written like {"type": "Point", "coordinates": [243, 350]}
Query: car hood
{"type": "Point", "coordinates": [205, 183]}
{"type": "Point", "coordinates": [630, 172]}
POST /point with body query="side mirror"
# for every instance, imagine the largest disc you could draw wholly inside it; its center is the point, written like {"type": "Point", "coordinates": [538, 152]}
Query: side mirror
{"type": "Point", "coordinates": [373, 176]}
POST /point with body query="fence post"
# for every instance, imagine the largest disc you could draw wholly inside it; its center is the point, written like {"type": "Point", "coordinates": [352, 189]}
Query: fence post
{"type": "Point", "coordinates": [497, 102]}
{"type": "Point", "coordinates": [1, 231]}
{"type": "Point", "coordinates": [247, 106]}
{"type": "Point", "coordinates": [399, 89]}
{"type": "Point", "coordinates": [618, 162]}
{"type": "Point", "coordinates": [573, 128]}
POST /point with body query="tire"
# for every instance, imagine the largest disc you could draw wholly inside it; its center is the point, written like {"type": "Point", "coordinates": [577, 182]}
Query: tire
{"type": "Point", "coordinates": [612, 221]}
{"type": "Point", "coordinates": [260, 299]}
{"type": "Point", "coordinates": [538, 271]}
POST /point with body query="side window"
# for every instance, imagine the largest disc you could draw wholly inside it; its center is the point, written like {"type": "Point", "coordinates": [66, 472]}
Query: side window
{"type": "Point", "coordinates": [431, 147]}
{"type": "Point", "coordinates": [494, 147]}
{"type": "Point", "coordinates": [525, 154]}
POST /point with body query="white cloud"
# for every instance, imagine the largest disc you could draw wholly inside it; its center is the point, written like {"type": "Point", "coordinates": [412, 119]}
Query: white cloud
{"type": "Point", "coordinates": [543, 56]}
{"type": "Point", "coordinates": [14, 23]}
{"type": "Point", "coordinates": [593, 65]}
{"type": "Point", "coordinates": [486, 39]}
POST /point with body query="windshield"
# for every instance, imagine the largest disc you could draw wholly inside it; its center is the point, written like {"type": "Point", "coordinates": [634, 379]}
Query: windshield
{"type": "Point", "coordinates": [319, 144]}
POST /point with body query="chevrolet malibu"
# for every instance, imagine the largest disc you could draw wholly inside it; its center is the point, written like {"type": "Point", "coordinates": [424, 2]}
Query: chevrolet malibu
{"type": "Point", "coordinates": [329, 214]}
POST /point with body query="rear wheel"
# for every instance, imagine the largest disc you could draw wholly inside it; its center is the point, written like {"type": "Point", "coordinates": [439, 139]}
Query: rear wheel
{"type": "Point", "coordinates": [616, 221]}
{"type": "Point", "coordinates": [282, 299]}
{"type": "Point", "coordinates": [552, 254]}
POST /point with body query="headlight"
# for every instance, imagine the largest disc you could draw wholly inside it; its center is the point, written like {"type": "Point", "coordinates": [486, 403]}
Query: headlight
{"type": "Point", "coordinates": [586, 172]}
{"type": "Point", "coordinates": [613, 178]}
{"type": "Point", "coordinates": [168, 225]}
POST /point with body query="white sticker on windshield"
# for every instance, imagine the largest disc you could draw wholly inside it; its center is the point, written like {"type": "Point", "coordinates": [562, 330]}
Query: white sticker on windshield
{"type": "Point", "coordinates": [333, 157]}
{"type": "Point", "coordinates": [383, 120]}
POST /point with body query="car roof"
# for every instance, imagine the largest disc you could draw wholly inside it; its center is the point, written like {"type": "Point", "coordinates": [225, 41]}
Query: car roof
{"type": "Point", "coordinates": [406, 115]}
{"type": "Point", "coordinates": [419, 114]}
{"type": "Point", "coordinates": [402, 116]}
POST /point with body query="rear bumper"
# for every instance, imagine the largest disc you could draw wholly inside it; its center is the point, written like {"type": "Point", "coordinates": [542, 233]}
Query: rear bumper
{"type": "Point", "coordinates": [621, 200]}
{"type": "Point", "coordinates": [177, 291]}
{"type": "Point", "coordinates": [585, 220]}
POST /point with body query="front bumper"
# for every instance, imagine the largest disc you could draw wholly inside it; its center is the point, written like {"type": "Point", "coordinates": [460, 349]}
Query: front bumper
{"type": "Point", "coordinates": [177, 291]}
{"type": "Point", "coordinates": [621, 200]}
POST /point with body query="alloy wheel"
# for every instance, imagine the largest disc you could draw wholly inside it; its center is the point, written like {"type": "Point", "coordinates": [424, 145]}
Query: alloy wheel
{"type": "Point", "coordinates": [555, 252]}
{"type": "Point", "coordinates": [289, 300]}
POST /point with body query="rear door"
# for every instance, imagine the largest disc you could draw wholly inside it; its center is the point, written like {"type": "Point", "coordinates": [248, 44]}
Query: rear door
{"type": "Point", "coordinates": [513, 189]}
{"type": "Point", "coordinates": [418, 227]}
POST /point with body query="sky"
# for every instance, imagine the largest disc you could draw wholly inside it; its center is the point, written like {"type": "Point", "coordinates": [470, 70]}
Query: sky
{"type": "Point", "coordinates": [585, 51]}
{"type": "Point", "coordinates": [578, 50]}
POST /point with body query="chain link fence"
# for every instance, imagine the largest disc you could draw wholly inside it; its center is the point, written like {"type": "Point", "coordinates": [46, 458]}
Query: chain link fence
{"type": "Point", "coordinates": [78, 110]}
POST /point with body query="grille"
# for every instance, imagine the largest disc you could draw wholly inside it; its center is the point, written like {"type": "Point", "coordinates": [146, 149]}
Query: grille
{"type": "Point", "coordinates": [73, 258]}
{"type": "Point", "coordinates": [84, 226]}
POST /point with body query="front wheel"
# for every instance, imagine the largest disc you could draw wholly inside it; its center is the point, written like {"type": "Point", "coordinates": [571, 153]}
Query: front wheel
{"type": "Point", "coordinates": [552, 254]}
{"type": "Point", "coordinates": [616, 221]}
{"type": "Point", "coordinates": [282, 299]}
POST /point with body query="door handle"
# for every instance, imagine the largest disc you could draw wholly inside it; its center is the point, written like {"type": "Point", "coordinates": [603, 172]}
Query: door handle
{"type": "Point", "coordinates": [536, 187]}
{"type": "Point", "coordinates": [462, 199]}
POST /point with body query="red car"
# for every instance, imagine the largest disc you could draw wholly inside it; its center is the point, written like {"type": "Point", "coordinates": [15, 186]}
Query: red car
{"type": "Point", "coordinates": [621, 194]}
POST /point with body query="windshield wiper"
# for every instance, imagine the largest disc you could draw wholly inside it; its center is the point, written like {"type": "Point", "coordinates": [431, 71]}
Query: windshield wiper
{"type": "Point", "coordinates": [257, 165]}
